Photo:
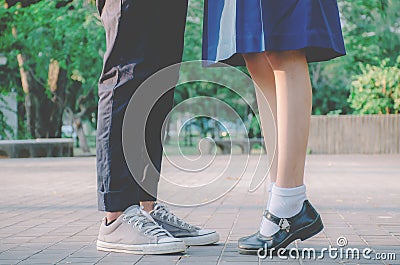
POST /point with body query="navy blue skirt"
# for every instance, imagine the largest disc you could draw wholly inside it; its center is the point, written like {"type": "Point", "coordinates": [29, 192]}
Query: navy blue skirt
{"type": "Point", "coordinates": [234, 27]}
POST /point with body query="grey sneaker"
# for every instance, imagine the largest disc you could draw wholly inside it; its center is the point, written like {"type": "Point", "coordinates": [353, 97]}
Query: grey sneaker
{"type": "Point", "coordinates": [191, 235]}
{"type": "Point", "coordinates": [136, 232]}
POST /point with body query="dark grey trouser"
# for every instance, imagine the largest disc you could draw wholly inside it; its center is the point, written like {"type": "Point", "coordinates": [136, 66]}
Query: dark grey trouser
{"type": "Point", "coordinates": [143, 36]}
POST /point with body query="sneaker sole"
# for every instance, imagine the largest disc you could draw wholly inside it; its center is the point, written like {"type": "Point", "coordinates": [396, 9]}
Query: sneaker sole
{"type": "Point", "coordinates": [144, 249]}
{"type": "Point", "coordinates": [201, 240]}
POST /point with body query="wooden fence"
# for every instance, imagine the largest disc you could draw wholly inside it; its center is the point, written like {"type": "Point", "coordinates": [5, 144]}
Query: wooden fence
{"type": "Point", "coordinates": [355, 134]}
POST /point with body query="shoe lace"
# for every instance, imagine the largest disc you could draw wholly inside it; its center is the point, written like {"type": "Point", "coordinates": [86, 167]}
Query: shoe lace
{"type": "Point", "coordinates": [143, 220]}
{"type": "Point", "coordinates": [163, 211]}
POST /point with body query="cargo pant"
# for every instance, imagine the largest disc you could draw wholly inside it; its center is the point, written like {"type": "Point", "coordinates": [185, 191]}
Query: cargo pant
{"type": "Point", "coordinates": [143, 36]}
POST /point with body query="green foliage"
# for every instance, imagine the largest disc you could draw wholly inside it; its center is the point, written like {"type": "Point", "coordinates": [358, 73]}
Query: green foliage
{"type": "Point", "coordinates": [376, 90]}
{"type": "Point", "coordinates": [73, 35]}
{"type": "Point", "coordinates": [329, 83]}
{"type": "Point", "coordinates": [194, 31]}
{"type": "Point", "coordinates": [193, 51]}
{"type": "Point", "coordinates": [5, 129]}
{"type": "Point", "coordinates": [44, 31]}
{"type": "Point", "coordinates": [255, 128]}
{"type": "Point", "coordinates": [371, 32]}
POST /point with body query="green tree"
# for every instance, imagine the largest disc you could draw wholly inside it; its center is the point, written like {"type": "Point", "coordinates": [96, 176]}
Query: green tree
{"type": "Point", "coordinates": [371, 30]}
{"type": "Point", "coordinates": [57, 47]}
{"type": "Point", "coordinates": [5, 129]}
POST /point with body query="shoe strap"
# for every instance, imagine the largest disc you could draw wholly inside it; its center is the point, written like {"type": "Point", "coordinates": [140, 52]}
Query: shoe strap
{"type": "Point", "coordinates": [283, 223]}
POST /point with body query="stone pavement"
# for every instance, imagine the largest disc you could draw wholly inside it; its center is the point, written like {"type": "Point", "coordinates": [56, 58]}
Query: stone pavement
{"type": "Point", "coordinates": [49, 215]}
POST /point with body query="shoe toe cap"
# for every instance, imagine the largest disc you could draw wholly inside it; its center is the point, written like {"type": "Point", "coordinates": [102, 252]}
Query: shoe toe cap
{"type": "Point", "coordinates": [203, 232]}
{"type": "Point", "coordinates": [251, 242]}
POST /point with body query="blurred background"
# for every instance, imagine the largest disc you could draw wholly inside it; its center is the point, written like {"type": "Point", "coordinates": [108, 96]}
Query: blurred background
{"type": "Point", "coordinates": [51, 58]}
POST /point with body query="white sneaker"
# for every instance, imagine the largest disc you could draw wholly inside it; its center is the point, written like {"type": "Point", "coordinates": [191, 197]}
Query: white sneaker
{"type": "Point", "coordinates": [136, 232]}
{"type": "Point", "coordinates": [191, 235]}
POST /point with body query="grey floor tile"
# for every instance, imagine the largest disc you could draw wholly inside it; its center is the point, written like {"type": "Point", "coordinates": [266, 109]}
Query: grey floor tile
{"type": "Point", "coordinates": [48, 222]}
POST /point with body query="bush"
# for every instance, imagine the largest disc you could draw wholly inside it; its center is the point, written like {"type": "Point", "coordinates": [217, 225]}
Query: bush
{"type": "Point", "coordinates": [376, 90]}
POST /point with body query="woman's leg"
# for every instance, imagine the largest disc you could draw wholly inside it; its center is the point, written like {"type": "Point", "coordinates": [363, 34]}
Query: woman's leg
{"type": "Point", "coordinates": [263, 77]}
{"type": "Point", "coordinates": [284, 80]}
{"type": "Point", "coordinates": [289, 216]}
{"type": "Point", "coordinates": [293, 95]}
{"type": "Point", "coordinates": [294, 99]}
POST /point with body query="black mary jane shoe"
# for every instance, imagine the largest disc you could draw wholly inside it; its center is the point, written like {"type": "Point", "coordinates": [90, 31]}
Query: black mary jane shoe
{"type": "Point", "coordinates": [303, 225]}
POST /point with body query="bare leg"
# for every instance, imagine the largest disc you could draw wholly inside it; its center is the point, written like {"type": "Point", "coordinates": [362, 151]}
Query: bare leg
{"type": "Point", "coordinates": [111, 216]}
{"type": "Point", "coordinates": [148, 206]}
{"type": "Point", "coordinates": [294, 99]}
{"type": "Point", "coordinates": [284, 80]}
{"type": "Point", "coordinates": [263, 77]}
{"type": "Point", "coordinates": [288, 196]}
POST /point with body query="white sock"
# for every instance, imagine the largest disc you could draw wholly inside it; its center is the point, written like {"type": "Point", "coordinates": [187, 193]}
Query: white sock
{"type": "Point", "coordinates": [269, 194]}
{"type": "Point", "coordinates": [270, 186]}
{"type": "Point", "coordinates": [284, 203]}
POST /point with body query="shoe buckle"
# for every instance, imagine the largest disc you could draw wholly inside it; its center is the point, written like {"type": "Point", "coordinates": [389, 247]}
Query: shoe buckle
{"type": "Point", "coordinates": [284, 224]}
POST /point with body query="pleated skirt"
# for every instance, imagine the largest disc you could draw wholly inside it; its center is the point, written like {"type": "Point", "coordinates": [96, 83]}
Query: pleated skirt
{"type": "Point", "coordinates": [234, 27]}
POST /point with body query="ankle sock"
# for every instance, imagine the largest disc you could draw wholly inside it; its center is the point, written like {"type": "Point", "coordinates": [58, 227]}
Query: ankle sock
{"type": "Point", "coordinates": [269, 194]}
{"type": "Point", "coordinates": [284, 203]}
{"type": "Point", "coordinates": [270, 186]}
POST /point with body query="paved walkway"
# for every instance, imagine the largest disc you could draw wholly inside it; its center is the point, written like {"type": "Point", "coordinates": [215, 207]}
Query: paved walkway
{"type": "Point", "coordinates": [48, 213]}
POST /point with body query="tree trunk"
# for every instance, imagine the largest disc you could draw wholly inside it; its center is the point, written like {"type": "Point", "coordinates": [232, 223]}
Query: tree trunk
{"type": "Point", "coordinates": [77, 120]}
{"type": "Point", "coordinates": [56, 81]}
{"type": "Point", "coordinates": [44, 115]}
{"type": "Point", "coordinates": [81, 135]}
{"type": "Point", "coordinates": [27, 82]}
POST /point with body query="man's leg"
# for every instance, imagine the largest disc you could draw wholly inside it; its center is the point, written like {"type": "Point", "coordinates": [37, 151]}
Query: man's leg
{"type": "Point", "coordinates": [166, 49]}
{"type": "Point", "coordinates": [117, 189]}
{"type": "Point", "coordinates": [126, 66]}
{"type": "Point", "coordinates": [142, 38]}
